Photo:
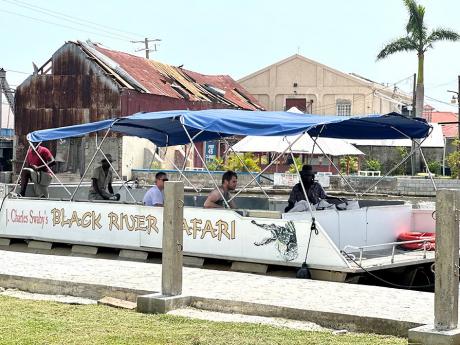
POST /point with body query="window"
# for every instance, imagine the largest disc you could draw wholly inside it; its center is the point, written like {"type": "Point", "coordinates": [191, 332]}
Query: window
{"type": "Point", "coordinates": [343, 107]}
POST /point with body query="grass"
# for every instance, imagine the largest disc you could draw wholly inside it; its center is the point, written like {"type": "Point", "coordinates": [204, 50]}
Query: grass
{"type": "Point", "coordinates": [35, 322]}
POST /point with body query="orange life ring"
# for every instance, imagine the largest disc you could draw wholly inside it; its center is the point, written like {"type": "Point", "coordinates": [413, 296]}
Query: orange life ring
{"type": "Point", "coordinates": [412, 236]}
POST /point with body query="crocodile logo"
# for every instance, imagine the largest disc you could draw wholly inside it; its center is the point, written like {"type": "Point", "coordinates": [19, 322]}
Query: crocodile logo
{"type": "Point", "coordinates": [284, 237]}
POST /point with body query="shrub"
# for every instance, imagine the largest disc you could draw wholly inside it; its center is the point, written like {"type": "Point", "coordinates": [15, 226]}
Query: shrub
{"type": "Point", "coordinates": [216, 164]}
{"type": "Point", "coordinates": [402, 153]}
{"type": "Point", "coordinates": [155, 165]}
{"type": "Point", "coordinates": [435, 167]}
{"type": "Point", "coordinates": [373, 165]}
{"type": "Point", "coordinates": [453, 160]}
{"type": "Point", "coordinates": [349, 164]}
{"type": "Point", "coordinates": [234, 163]}
{"type": "Point", "coordinates": [298, 162]}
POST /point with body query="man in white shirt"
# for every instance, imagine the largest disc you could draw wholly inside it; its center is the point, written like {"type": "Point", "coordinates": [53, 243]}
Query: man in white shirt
{"type": "Point", "coordinates": [155, 195]}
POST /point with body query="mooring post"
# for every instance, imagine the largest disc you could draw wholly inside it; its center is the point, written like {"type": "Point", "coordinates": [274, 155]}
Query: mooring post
{"type": "Point", "coordinates": [446, 261]}
{"type": "Point", "coordinates": [173, 214]}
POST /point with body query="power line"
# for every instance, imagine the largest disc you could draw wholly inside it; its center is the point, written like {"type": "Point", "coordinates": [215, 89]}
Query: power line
{"type": "Point", "coordinates": [439, 101]}
{"type": "Point", "coordinates": [439, 85]}
{"type": "Point", "coordinates": [63, 25]}
{"type": "Point", "coordinates": [13, 71]}
{"type": "Point", "coordinates": [76, 20]}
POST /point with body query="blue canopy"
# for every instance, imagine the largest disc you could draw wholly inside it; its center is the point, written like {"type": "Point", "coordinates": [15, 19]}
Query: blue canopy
{"type": "Point", "coordinates": [166, 128]}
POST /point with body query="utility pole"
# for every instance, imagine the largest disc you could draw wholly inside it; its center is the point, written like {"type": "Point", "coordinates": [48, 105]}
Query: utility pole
{"type": "Point", "coordinates": [146, 42]}
{"type": "Point", "coordinates": [5, 88]}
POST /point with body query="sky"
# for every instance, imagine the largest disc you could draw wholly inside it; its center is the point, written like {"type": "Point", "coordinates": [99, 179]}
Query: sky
{"type": "Point", "coordinates": [238, 37]}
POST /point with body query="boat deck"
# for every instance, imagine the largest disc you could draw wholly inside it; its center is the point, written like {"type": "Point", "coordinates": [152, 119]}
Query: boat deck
{"type": "Point", "coordinates": [383, 259]}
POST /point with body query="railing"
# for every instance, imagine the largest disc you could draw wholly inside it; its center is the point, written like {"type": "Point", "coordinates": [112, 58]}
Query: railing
{"type": "Point", "coordinates": [393, 244]}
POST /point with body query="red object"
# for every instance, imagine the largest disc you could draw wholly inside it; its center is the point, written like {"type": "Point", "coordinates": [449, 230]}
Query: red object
{"type": "Point", "coordinates": [413, 236]}
{"type": "Point", "coordinates": [34, 159]}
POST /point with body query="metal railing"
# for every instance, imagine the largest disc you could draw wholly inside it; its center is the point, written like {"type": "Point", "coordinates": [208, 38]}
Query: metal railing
{"type": "Point", "coordinates": [393, 248]}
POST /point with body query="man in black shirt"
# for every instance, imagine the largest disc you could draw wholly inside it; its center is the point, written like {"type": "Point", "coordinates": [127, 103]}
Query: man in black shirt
{"type": "Point", "coordinates": [314, 190]}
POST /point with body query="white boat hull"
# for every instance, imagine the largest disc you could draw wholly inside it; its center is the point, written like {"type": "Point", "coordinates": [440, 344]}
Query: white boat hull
{"type": "Point", "coordinates": [214, 233]}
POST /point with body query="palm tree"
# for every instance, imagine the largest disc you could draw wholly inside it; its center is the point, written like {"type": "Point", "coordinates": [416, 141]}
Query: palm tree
{"type": "Point", "coordinates": [417, 39]}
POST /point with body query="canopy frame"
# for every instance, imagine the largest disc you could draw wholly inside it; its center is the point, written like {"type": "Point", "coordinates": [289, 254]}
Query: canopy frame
{"type": "Point", "coordinates": [245, 166]}
{"type": "Point", "coordinates": [205, 165]}
{"type": "Point", "coordinates": [269, 165]}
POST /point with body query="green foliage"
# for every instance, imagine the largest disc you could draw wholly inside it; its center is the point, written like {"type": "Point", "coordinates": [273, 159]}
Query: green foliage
{"type": "Point", "coordinates": [435, 167]}
{"type": "Point", "coordinates": [39, 322]}
{"type": "Point", "coordinates": [234, 163]}
{"type": "Point", "coordinates": [417, 39]}
{"type": "Point", "coordinates": [155, 165]}
{"type": "Point", "coordinates": [217, 164]}
{"type": "Point", "coordinates": [298, 162]}
{"type": "Point", "coordinates": [373, 165]}
{"type": "Point", "coordinates": [453, 160]}
{"type": "Point", "coordinates": [348, 165]}
{"type": "Point", "coordinates": [402, 152]}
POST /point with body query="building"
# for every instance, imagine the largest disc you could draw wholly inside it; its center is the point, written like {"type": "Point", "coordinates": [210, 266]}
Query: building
{"type": "Point", "coordinates": [84, 82]}
{"type": "Point", "coordinates": [318, 89]}
{"type": "Point", "coordinates": [6, 126]}
{"type": "Point", "coordinates": [449, 124]}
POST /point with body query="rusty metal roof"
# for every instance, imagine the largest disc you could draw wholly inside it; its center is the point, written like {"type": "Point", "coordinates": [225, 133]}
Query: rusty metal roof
{"type": "Point", "coordinates": [157, 78]}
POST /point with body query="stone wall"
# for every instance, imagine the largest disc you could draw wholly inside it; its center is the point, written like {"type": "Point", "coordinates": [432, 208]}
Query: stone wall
{"type": "Point", "coordinates": [201, 178]}
{"type": "Point", "coordinates": [389, 157]}
{"type": "Point", "coordinates": [393, 185]}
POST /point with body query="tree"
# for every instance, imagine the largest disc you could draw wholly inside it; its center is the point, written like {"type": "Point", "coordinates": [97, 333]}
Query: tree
{"type": "Point", "coordinates": [419, 40]}
{"type": "Point", "coordinates": [453, 160]}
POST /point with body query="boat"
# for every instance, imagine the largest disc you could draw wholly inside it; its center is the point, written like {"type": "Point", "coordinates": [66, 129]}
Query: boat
{"type": "Point", "coordinates": [333, 243]}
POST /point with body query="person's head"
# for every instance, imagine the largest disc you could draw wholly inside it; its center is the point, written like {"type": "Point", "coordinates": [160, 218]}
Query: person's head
{"type": "Point", "coordinates": [160, 179]}
{"type": "Point", "coordinates": [105, 161]}
{"type": "Point", "coordinates": [229, 180]}
{"type": "Point", "coordinates": [307, 174]}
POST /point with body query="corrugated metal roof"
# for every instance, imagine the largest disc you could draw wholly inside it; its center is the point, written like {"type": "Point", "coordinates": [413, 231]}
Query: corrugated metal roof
{"type": "Point", "coordinates": [449, 131]}
{"type": "Point", "coordinates": [166, 80]}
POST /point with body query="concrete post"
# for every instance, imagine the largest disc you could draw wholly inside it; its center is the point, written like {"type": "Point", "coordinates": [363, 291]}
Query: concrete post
{"type": "Point", "coordinates": [447, 246]}
{"type": "Point", "coordinates": [173, 214]}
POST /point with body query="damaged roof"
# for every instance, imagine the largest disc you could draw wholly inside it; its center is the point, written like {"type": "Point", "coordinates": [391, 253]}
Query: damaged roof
{"type": "Point", "coordinates": [148, 76]}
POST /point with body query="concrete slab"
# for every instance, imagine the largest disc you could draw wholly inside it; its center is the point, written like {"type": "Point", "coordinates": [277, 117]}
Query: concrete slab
{"type": "Point", "coordinates": [427, 335]}
{"type": "Point", "coordinates": [192, 261]}
{"type": "Point", "coordinates": [68, 288]}
{"type": "Point", "coordinates": [40, 245]}
{"type": "Point", "coordinates": [117, 303]}
{"type": "Point", "coordinates": [133, 255]}
{"type": "Point", "coordinates": [85, 250]}
{"type": "Point", "coordinates": [337, 305]}
{"type": "Point", "coordinates": [248, 267]}
{"type": "Point", "coordinates": [5, 241]}
{"type": "Point", "coordinates": [335, 320]}
{"type": "Point", "coordinates": [160, 304]}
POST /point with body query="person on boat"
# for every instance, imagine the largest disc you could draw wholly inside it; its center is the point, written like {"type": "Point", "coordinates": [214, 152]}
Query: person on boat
{"type": "Point", "coordinates": [38, 172]}
{"type": "Point", "coordinates": [101, 182]}
{"type": "Point", "coordinates": [314, 190]}
{"type": "Point", "coordinates": [215, 200]}
{"type": "Point", "coordinates": [155, 195]}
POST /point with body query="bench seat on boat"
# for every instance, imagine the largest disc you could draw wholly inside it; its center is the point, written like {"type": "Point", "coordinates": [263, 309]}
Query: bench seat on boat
{"type": "Point", "coordinates": [263, 214]}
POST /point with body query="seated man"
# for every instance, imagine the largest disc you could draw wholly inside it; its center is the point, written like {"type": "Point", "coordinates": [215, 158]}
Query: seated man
{"type": "Point", "coordinates": [101, 182]}
{"type": "Point", "coordinates": [38, 172]}
{"type": "Point", "coordinates": [215, 200]}
{"type": "Point", "coordinates": [314, 190]}
{"type": "Point", "coordinates": [155, 195]}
